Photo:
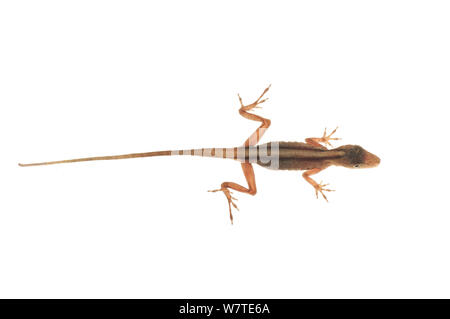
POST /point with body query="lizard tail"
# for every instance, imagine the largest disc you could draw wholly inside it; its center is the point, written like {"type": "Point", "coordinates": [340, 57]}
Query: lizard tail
{"type": "Point", "coordinates": [102, 158]}
{"type": "Point", "coordinates": [231, 153]}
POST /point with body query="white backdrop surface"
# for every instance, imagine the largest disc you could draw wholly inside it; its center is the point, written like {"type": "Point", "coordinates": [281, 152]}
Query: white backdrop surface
{"type": "Point", "coordinates": [86, 78]}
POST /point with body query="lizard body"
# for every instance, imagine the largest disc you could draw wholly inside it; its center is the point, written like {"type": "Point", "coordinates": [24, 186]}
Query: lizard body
{"type": "Point", "coordinates": [290, 155]}
{"type": "Point", "coordinates": [311, 156]}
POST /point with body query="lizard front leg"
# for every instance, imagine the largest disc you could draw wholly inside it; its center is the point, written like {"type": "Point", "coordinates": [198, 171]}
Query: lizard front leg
{"type": "Point", "coordinates": [247, 168]}
{"type": "Point", "coordinates": [319, 187]}
{"type": "Point", "coordinates": [325, 139]}
{"type": "Point", "coordinates": [315, 141]}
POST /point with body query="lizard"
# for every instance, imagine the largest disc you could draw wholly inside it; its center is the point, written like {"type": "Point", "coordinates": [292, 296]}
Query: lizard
{"type": "Point", "coordinates": [311, 156]}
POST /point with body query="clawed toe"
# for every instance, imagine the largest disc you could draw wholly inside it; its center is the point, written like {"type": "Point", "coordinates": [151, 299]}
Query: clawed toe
{"type": "Point", "coordinates": [230, 200]}
{"type": "Point", "coordinates": [256, 104]}
{"type": "Point", "coordinates": [320, 188]}
{"type": "Point", "coordinates": [327, 138]}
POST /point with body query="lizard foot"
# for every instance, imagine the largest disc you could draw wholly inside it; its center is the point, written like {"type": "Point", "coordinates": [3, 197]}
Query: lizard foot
{"type": "Point", "coordinates": [230, 199]}
{"type": "Point", "coordinates": [320, 188]}
{"type": "Point", "coordinates": [256, 104]}
{"type": "Point", "coordinates": [327, 138]}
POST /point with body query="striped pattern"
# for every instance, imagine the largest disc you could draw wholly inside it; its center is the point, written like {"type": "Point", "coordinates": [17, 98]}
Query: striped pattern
{"type": "Point", "coordinates": [271, 154]}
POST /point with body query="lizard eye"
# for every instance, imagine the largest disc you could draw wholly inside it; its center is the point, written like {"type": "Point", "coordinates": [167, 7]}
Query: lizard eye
{"type": "Point", "coordinates": [356, 166]}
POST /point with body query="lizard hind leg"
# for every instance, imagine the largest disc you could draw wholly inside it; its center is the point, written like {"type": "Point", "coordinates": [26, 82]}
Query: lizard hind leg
{"type": "Point", "coordinates": [265, 123]}
{"type": "Point", "coordinates": [247, 168]}
{"type": "Point", "coordinates": [225, 187]}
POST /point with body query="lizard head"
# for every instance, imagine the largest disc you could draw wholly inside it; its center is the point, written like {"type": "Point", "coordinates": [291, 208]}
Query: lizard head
{"type": "Point", "coordinates": [357, 157]}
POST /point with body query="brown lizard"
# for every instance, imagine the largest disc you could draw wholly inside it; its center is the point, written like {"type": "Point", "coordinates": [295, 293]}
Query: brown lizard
{"type": "Point", "coordinates": [310, 156]}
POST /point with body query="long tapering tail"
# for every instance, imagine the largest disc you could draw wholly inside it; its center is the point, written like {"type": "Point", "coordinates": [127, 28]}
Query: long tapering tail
{"type": "Point", "coordinates": [232, 153]}
{"type": "Point", "coordinates": [102, 158]}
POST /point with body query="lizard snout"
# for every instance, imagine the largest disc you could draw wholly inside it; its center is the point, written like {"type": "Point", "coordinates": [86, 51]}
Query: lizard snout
{"type": "Point", "coordinates": [371, 160]}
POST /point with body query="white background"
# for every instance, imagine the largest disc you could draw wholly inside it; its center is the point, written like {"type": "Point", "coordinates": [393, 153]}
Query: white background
{"type": "Point", "coordinates": [85, 78]}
